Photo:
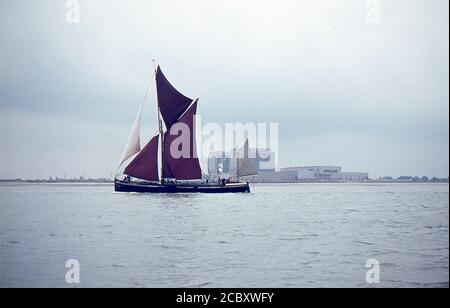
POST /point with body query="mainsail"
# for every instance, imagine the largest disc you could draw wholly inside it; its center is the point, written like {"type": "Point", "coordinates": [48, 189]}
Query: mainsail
{"type": "Point", "coordinates": [145, 164]}
{"type": "Point", "coordinates": [134, 144]}
{"type": "Point", "coordinates": [182, 168]}
{"type": "Point", "coordinates": [246, 165]}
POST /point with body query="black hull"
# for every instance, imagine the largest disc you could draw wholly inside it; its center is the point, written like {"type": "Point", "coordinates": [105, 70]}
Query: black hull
{"type": "Point", "coordinates": [122, 186]}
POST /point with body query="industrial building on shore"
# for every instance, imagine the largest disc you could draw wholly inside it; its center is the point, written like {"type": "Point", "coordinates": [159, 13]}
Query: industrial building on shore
{"type": "Point", "coordinates": [223, 164]}
{"type": "Point", "coordinates": [326, 173]}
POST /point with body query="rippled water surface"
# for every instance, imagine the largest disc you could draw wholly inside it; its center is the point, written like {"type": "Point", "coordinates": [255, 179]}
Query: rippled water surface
{"type": "Point", "coordinates": [302, 235]}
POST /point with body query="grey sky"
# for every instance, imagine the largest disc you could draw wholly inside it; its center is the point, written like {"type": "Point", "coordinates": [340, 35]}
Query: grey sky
{"type": "Point", "coordinates": [370, 97]}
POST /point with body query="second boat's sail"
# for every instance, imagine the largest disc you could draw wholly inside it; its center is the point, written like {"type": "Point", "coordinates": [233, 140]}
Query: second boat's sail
{"type": "Point", "coordinates": [246, 163]}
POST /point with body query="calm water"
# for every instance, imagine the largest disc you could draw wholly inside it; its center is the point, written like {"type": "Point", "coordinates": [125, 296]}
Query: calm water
{"type": "Point", "coordinates": [303, 235]}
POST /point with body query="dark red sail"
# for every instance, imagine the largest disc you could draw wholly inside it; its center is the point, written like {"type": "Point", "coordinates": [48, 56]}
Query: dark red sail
{"type": "Point", "coordinates": [145, 165]}
{"type": "Point", "coordinates": [182, 168]}
{"type": "Point", "coordinates": [166, 171]}
{"type": "Point", "coordinates": [172, 103]}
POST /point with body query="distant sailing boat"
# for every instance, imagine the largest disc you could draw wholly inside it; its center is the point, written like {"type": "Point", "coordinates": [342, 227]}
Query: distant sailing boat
{"type": "Point", "coordinates": [141, 169]}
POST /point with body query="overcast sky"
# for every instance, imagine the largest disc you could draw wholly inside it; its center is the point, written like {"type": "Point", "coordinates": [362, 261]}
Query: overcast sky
{"type": "Point", "coordinates": [368, 92]}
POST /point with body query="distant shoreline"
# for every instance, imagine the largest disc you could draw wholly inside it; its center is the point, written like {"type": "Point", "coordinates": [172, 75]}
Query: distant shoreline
{"type": "Point", "coordinates": [111, 182]}
{"type": "Point", "coordinates": [19, 183]}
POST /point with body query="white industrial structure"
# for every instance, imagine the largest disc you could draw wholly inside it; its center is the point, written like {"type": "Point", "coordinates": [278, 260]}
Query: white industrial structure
{"type": "Point", "coordinates": [312, 174]}
{"type": "Point", "coordinates": [326, 173]}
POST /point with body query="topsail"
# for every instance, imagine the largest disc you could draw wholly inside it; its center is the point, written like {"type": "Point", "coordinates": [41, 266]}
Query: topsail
{"type": "Point", "coordinates": [172, 104]}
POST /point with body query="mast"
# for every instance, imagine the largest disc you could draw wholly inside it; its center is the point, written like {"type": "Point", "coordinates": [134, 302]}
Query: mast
{"type": "Point", "coordinates": [161, 133]}
{"type": "Point", "coordinates": [237, 165]}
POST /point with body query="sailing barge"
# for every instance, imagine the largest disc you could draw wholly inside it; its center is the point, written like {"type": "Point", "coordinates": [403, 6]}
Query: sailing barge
{"type": "Point", "coordinates": [141, 171]}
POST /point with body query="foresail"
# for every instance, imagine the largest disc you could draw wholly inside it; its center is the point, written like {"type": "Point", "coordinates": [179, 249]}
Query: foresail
{"type": "Point", "coordinates": [172, 104]}
{"type": "Point", "coordinates": [134, 144]}
{"type": "Point", "coordinates": [145, 165]}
